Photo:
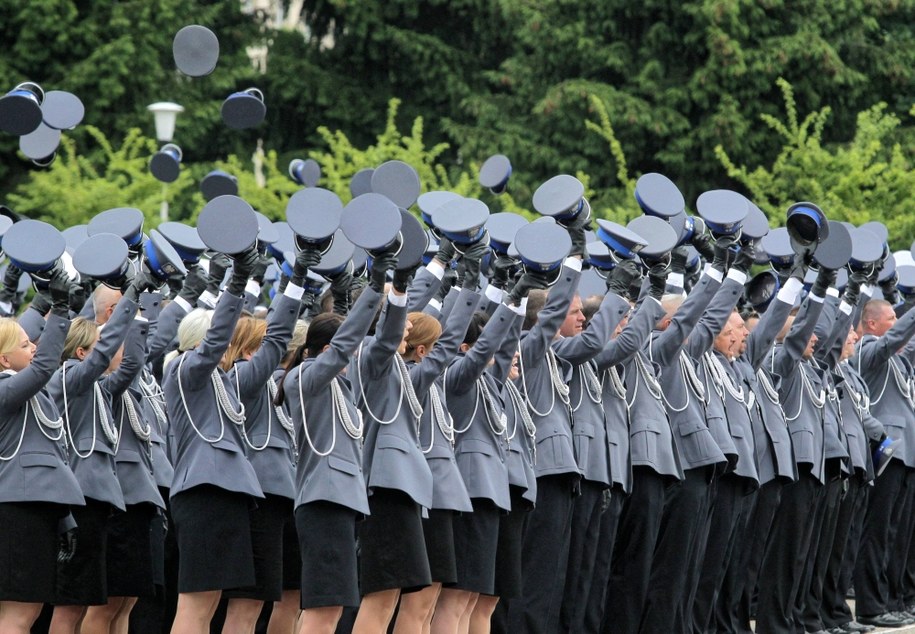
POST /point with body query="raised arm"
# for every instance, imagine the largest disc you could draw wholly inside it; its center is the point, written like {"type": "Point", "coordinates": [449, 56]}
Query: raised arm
{"type": "Point", "coordinates": [465, 370]}
{"type": "Point", "coordinates": [792, 349]}
{"type": "Point", "coordinates": [424, 286]}
{"type": "Point", "coordinates": [551, 316]}
{"type": "Point", "coordinates": [761, 340]}
{"type": "Point", "coordinates": [506, 353]}
{"type": "Point", "coordinates": [132, 362]}
{"type": "Point", "coordinates": [166, 328]}
{"type": "Point", "coordinates": [716, 314]}
{"type": "Point", "coordinates": [252, 376]}
{"type": "Point", "coordinates": [584, 347]}
{"type": "Point", "coordinates": [17, 389]}
{"type": "Point", "coordinates": [197, 364]}
{"type": "Point", "coordinates": [880, 350]}
{"type": "Point", "coordinates": [427, 371]}
{"type": "Point", "coordinates": [829, 350]}
{"type": "Point", "coordinates": [378, 351]}
{"type": "Point", "coordinates": [666, 346]}
{"type": "Point", "coordinates": [633, 337]}
{"type": "Point", "coordinates": [81, 376]}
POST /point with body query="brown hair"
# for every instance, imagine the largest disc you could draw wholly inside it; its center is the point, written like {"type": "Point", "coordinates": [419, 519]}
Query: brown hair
{"type": "Point", "coordinates": [82, 334]}
{"type": "Point", "coordinates": [248, 335]}
{"type": "Point", "coordinates": [425, 332]}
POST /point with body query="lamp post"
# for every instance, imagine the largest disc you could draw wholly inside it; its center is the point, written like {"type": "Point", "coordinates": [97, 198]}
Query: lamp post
{"type": "Point", "coordinates": [165, 114]}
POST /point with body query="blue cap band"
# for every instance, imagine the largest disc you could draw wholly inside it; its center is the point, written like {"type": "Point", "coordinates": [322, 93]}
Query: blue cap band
{"type": "Point", "coordinates": [614, 244]}
{"type": "Point", "coordinates": [539, 266]}
{"type": "Point", "coordinates": [463, 238]}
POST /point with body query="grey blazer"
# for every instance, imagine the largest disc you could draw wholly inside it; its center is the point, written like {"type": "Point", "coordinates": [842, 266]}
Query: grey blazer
{"type": "Point", "coordinates": [860, 425]}
{"type": "Point", "coordinates": [133, 455]}
{"type": "Point", "coordinates": [329, 466]}
{"type": "Point", "coordinates": [888, 403]}
{"type": "Point", "coordinates": [92, 455]}
{"type": "Point", "coordinates": [616, 410]}
{"type": "Point", "coordinates": [589, 432]}
{"type": "Point", "coordinates": [448, 490]}
{"type": "Point", "coordinates": [392, 457]}
{"type": "Point", "coordinates": [738, 419]}
{"type": "Point", "coordinates": [835, 325]}
{"type": "Point", "coordinates": [208, 446]}
{"type": "Point", "coordinates": [551, 415]}
{"type": "Point", "coordinates": [521, 446]}
{"type": "Point", "coordinates": [34, 468]}
{"type": "Point", "coordinates": [805, 420]}
{"type": "Point", "coordinates": [480, 451]}
{"type": "Point", "coordinates": [266, 443]}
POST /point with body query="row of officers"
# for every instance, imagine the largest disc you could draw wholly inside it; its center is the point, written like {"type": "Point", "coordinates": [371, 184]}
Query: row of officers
{"type": "Point", "coordinates": [423, 458]}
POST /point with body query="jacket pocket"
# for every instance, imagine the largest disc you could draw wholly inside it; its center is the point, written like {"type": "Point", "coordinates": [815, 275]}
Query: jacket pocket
{"type": "Point", "coordinates": [36, 459]}
{"type": "Point", "coordinates": [390, 441]}
{"type": "Point", "coordinates": [344, 466]}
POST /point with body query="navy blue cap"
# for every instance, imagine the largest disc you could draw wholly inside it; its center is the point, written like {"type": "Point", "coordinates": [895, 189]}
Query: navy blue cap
{"type": "Point", "coordinates": [591, 283]}
{"type": "Point", "coordinates": [495, 172]}
{"type": "Point", "coordinates": [723, 210]}
{"type": "Point", "coordinates": [542, 246]}
{"type": "Point", "coordinates": [841, 279]}
{"type": "Point", "coordinates": [285, 240]}
{"type": "Point", "coordinates": [306, 172]}
{"type": "Point", "coordinates": [502, 228]}
{"type": "Point", "coordinates": [165, 165]}
{"type": "Point", "coordinates": [32, 323]}
{"type": "Point", "coordinates": [20, 109]}
{"type": "Point", "coordinates": [124, 222]}
{"type": "Point", "coordinates": [807, 225]}
{"type": "Point", "coordinates": [40, 146]}
{"type": "Point", "coordinates": [103, 257]}
{"type": "Point", "coordinates": [196, 50]}
{"type": "Point", "coordinates": [161, 258]}
{"type": "Point", "coordinates": [314, 214]}
{"type": "Point", "coordinates": [227, 224]}
{"type": "Point", "coordinates": [184, 239]}
{"type": "Point", "coordinates": [398, 181]}
{"type": "Point", "coordinates": [600, 257]}
{"type": "Point", "coordinates": [657, 195]}
{"type": "Point", "coordinates": [415, 241]}
{"type": "Point", "coordinates": [361, 183]}
{"type": "Point", "coordinates": [266, 232]}
{"type": "Point", "coordinates": [560, 197]}
{"type": "Point", "coordinates": [244, 109]}
{"type": "Point", "coordinates": [755, 225]}
{"type": "Point", "coordinates": [74, 236]}
{"type": "Point", "coordinates": [658, 233]}
{"type": "Point", "coordinates": [878, 229]}
{"type": "Point", "coordinates": [432, 244]}
{"type": "Point", "coordinates": [761, 289]}
{"type": "Point", "coordinates": [360, 259]}
{"type": "Point", "coordinates": [624, 242]}
{"type": "Point", "coordinates": [337, 256]}
{"type": "Point", "coordinates": [835, 251]}
{"type": "Point", "coordinates": [62, 110]}
{"type": "Point", "coordinates": [777, 245]}
{"type": "Point", "coordinates": [906, 275]}
{"type": "Point", "coordinates": [866, 248]}
{"type": "Point", "coordinates": [430, 201]}
{"type": "Point", "coordinates": [218, 183]}
{"type": "Point", "coordinates": [371, 221]}
{"type": "Point", "coordinates": [679, 224]}
{"type": "Point", "coordinates": [33, 246]}
{"type": "Point", "coordinates": [462, 220]}
{"type": "Point", "coordinates": [889, 267]}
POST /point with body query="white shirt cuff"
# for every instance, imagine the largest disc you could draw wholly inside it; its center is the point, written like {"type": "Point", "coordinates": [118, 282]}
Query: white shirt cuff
{"type": "Point", "coordinates": [437, 305]}
{"type": "Point", "coordinates": [253, 287]}
{"type": "Point", "coordinates": [522, 309]}
{"type": "Point", "coordinates": [436, 269]}
{"type": "Point", "coordinates": [714, 273]}
{"type": "Point", "coordinates": [845, 307]}
{"type": "Point", "coordinates": [207, 299]}
{"type": "Point", "coordinates": [867, 290]}
{"type": "Point", "coordinates": [397, 300]}
{"type": "Point", "coordinates": [815, 298]}
{"type": "Point", "coordinates": [573, 263]}
{"type": "Point", "coordinates": [738, 276]}
{"type": "Point", "coordinates": [185, 305]}
{"type": "Point", "coordinates": [675, 279]}
{"type": "Point", "coordinates": [293, 291]}
{"type": "Point", "coordinates": [494, 294]}
{"type": "Point", "coordinates": [7, 307]}
{"type": "Point", "coordinates": [832, 292]}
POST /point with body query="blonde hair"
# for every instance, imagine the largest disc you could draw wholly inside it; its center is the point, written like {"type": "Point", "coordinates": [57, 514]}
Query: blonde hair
{"type": "Point", "coordinates": [247, 337]}
{"type": "Point", "coordinates": [425, 332]}
{"type": "Point", "coordinates": [82, 334]}
{"type": "Point", "coordinates": [297, 341]}
{"type": "Point", "coordinates": [10, 334]}
{"type": "Point", "coordinates": [191, 331]}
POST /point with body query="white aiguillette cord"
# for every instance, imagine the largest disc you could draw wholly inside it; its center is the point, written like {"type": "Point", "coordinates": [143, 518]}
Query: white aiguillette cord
{"type": "Point", "coordinates": [43, 421]}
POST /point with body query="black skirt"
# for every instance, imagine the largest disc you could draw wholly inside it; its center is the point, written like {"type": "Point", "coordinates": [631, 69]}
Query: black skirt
{"type": "Point", "coordinates": [438, 531]}
{"type": "Point", "coordinates": [392, 546]}
{"type": "Point", "coordinates": [129, 556]}
{"type": "Point", "coordinates": [476, 539]}
{"type": "Point", "coordinates": [267, 522]}
{"type": "Point", "coordinates": [508, 556]}
{"type": "Point", "coordinates": [327, 539]}
{"type": "Point", "coordinates": [292, 557]}
{"type": "Point", "coordinates": [28, 550]}
{"type": "Point", "coordinates": [213, 531]}
{"type": "Point", "coordinates": [84, 579]}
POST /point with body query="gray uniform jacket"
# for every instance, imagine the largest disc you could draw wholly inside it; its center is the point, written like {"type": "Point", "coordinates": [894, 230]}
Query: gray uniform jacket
{"type": "Point", "coordinates": [34, 467]}
{"type": "Point", "coordinates": [133, 455]}
{"type": "Point", "coordinates": [860, 425]}
{"type": "Point", "coordinates": [616, 410]}
{"type": "Point", "coordinates": [92, 455]}
{"type": "Point", "coordinates": [877, 362]}
{"type": "Point", "coordinates": [520, 444]}
{"type": "Point", "coordinates": [799, 384]}
{"type": "Point", "coordinates": [448, 490]}
{"type": "Point", "coordinates": [774, 458]}
{"type": "Point", "coordinates": [551, 415]}
{"type": "Point", "coordinates": [329, 467]}
{"type": "Point", "coordinates": [737, 414]}
{"type": "Point", "coordinates": [266, 443]}
{"type": "Point", "coordinates": [480, 451]}
{"type": "Point", "coordinates": [392, 457]}
{"type": "Point", "coordinates": [589, 431]}
{"type": "Point", "coordinates": [208, 447]}
{"type": "Point", "coordinates": [836, 324]}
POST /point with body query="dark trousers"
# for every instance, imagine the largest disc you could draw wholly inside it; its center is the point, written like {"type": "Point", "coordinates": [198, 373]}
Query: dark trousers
{"type": "Point", "coordinates": [585, 535]}
{"type": "Point", "coordinates": [154, 615]}
{"type": "Point", "coordinates": [821, 546]}
{"type": "Point", "coordinates": [633, 552]}
{"type": "Point", "coordinates": [609, 522]}
{"type": "Point", "coordinates": [783, 563]}
{"type": "Point", "coordinates": [727, 605]}
{"type": "Point", "coordinates": [899, 553]}
{"type": "Point", "coordinates": [759, 525]}
{"type": "Point", "coordinates": [683, 622]}
{"type": "Point", "coordinates": [544, 555]}
{"type": "Point", "coordinates": [731, 507]}
{"type": "Point", "coordinates": [835, 611]}
{"type": "Point", "coordinates": [879, 533]}
{"type": "Point", "coordinates": [684, 509]}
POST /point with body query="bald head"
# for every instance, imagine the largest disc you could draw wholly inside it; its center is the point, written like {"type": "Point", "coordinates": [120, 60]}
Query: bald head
{"type": "Point", "coordinates": [877, 317]}
{"type": "Point", "coordinates": [104, 299]}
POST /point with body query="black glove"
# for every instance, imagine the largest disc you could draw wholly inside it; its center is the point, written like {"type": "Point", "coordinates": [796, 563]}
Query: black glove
{"type": "Point", "coordinates": [174, 283]}
{"type": "Point", "coordinates": [503, 268]}
{"type": "Point", "coordinates": [142, 281]}
{"type": "Point", "coordinates": [799, 267]}
{"type": "Point", "coordinates": [448, 280]}
{"type": "Point", "coordinates": [195, 282]}
{"type": "Point", "coordinates": [219, 264]}
{"type": "Point", "coordinates": [622, 277]}
{"type": "Point", "coordinates": [260, 268]}
{"type": "Point", "coordinates": [746, 257]}
{"type": "Point", "coordinates": [66, 539]}
{"type": "Point", "coordinates": [10, 283]}
{"type": "Point", "coordinates": [722, 252]}
{"type": "Point", "coordinates": [59, 292]}
{"type": "Point", "coordinates": [402, 278]}
{"type": "Point", "coordinates": [528, 282]}
{"type": "Point", "coordinates": [888, 287]}
{"type": "Point", "coordinates": [679, 258]}
{"type": "Point", "coordinates": [825, 279]}
{"type": "Point", "coordinates": [42, 302]}
{"type": "Point", "coordinates": [242, 266]}
{"type": "Point", "coordinates": [381, 263]}
{"type": "Point", "coordinates": [702, 241]}
{"type": "Point", "coordinates": [853, 288]}
{"type": "Point", "coordinates": [305, 259]}
{"type": "Point", "coordinates": [445, 251]}
{"type": "Point", "coordinates": [657, 277]}
{"type": "Point", "coordinates": [78, 296]}
{"type": "Point", "coordinates": [341, 289]}
{"type": "Point", "coordinates": [472, 260]}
